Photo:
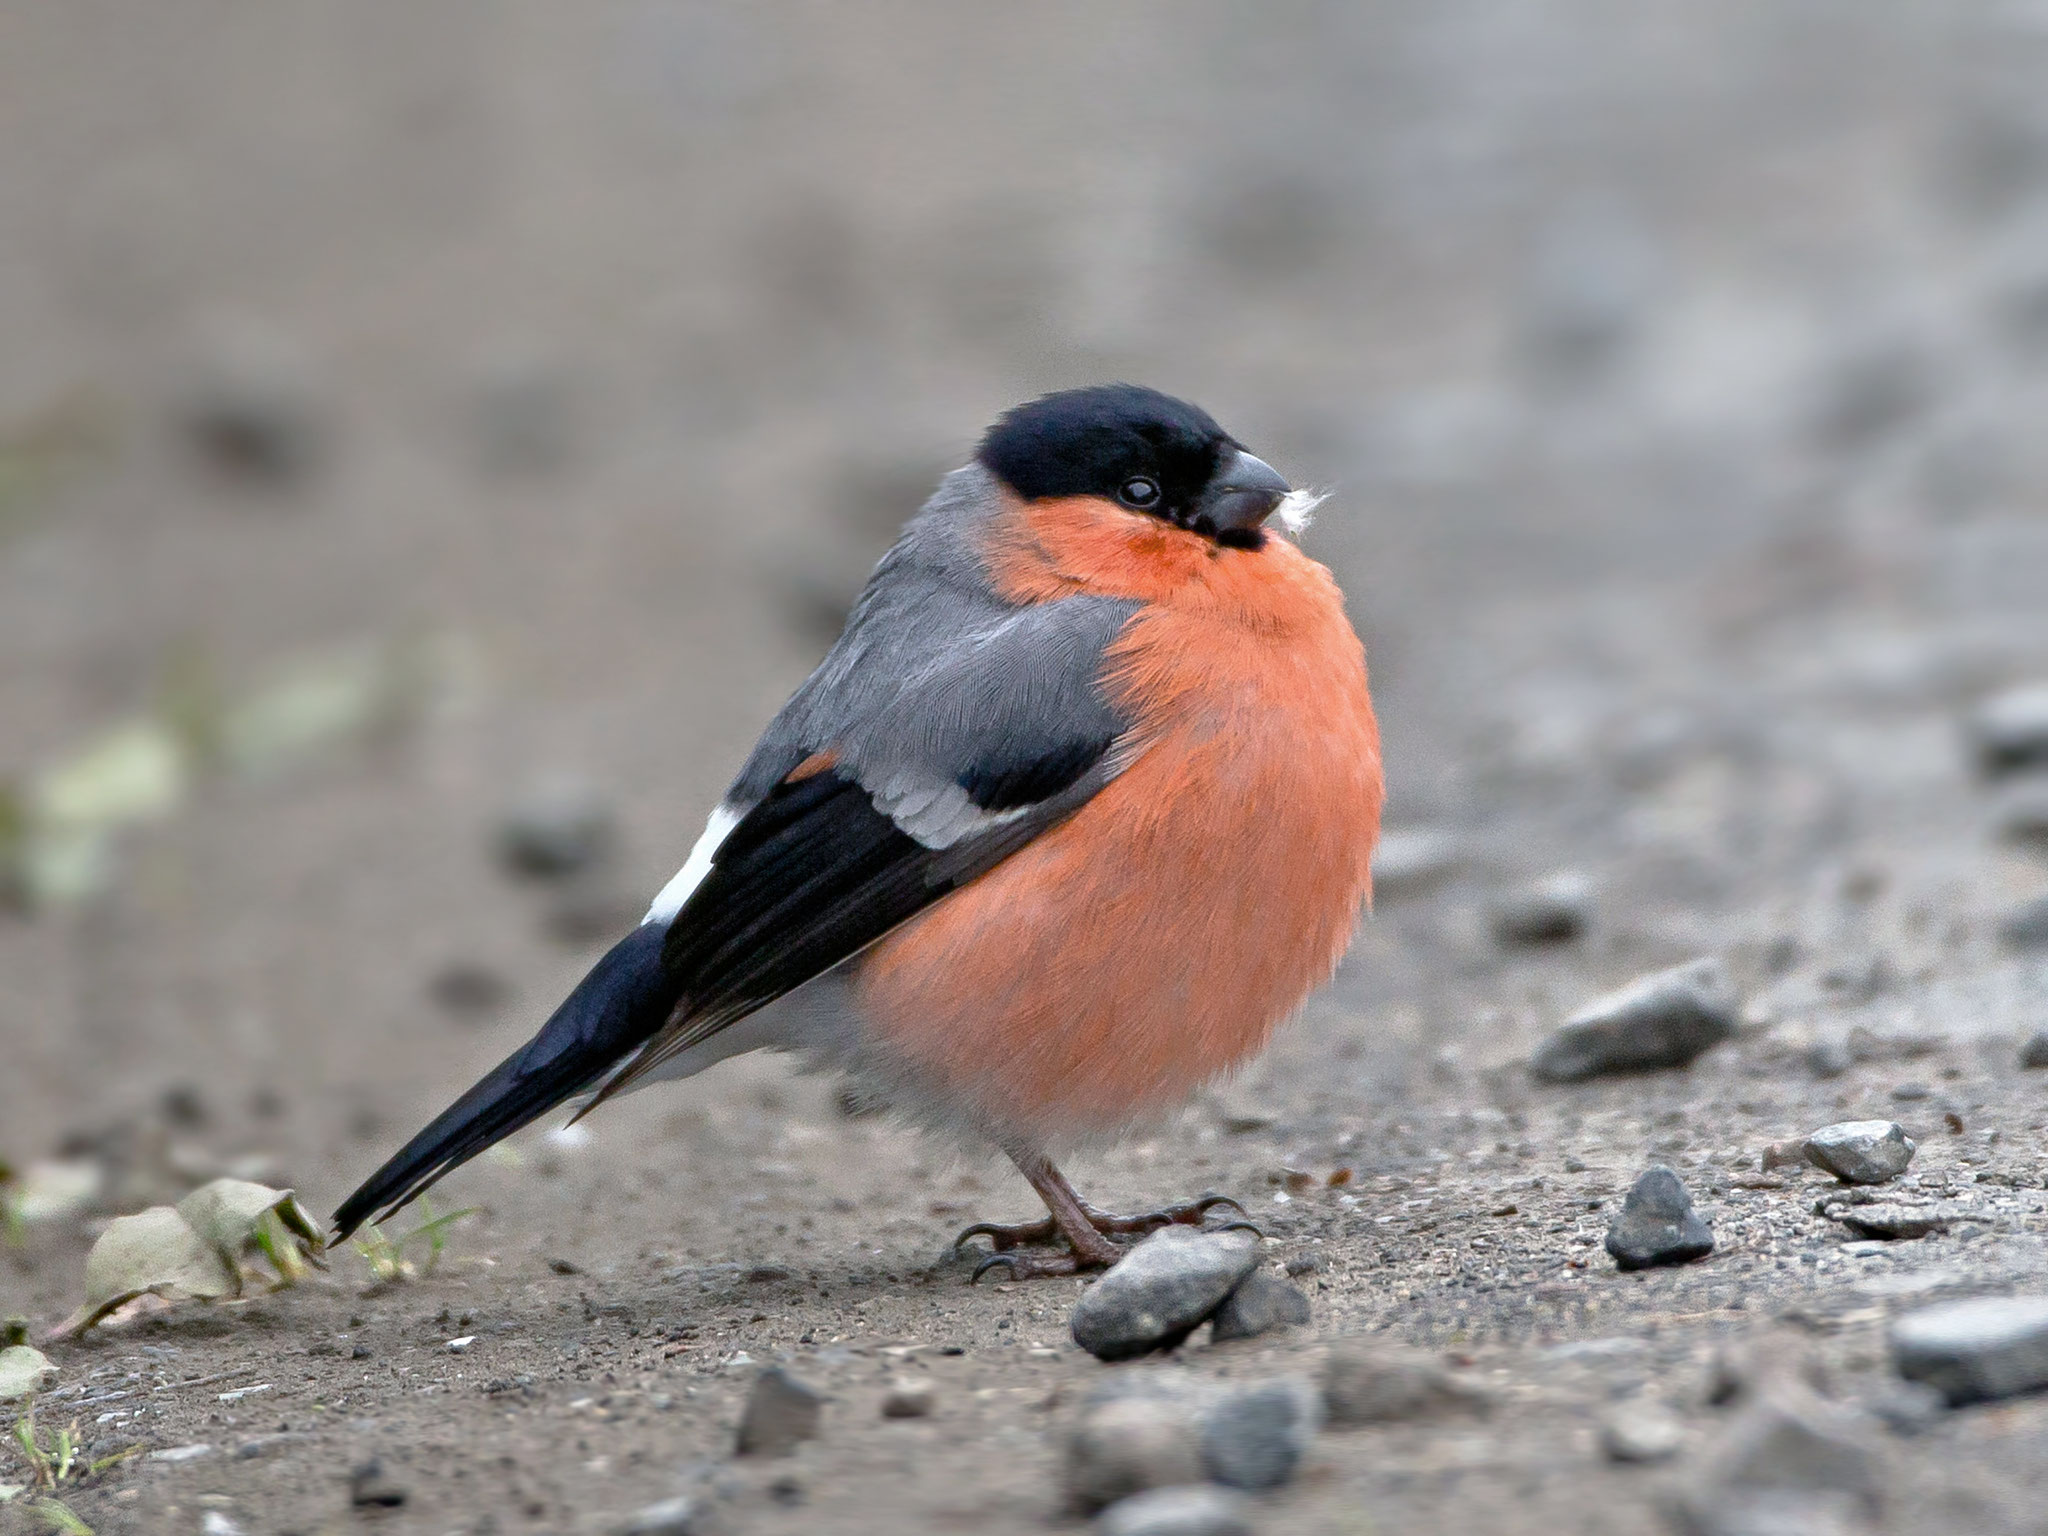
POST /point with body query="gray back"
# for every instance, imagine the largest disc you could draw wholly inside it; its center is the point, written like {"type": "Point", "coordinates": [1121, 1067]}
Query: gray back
{"type": "Point", "coordinates": [936, 678]}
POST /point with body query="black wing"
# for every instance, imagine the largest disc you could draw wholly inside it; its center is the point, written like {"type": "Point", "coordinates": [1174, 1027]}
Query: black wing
{"type": "Point", "coordinates": [816, 873]}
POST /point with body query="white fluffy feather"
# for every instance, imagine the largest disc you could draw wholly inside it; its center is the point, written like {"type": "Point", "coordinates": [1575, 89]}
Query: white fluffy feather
{"type": "Point", "coordinates": [1296, 506]}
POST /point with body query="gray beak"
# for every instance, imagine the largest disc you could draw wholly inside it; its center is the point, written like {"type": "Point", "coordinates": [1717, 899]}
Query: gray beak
{"type": "Point", "coordinates": [1242, 494]}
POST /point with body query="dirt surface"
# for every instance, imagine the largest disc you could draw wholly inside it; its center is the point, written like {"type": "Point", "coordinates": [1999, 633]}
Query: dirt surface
{"type": "Point", "coordinates": [1680, 374]}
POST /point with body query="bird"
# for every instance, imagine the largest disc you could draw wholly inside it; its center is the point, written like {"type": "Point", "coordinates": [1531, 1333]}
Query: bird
{"type": "Point", "coordinates": [1078, 809]}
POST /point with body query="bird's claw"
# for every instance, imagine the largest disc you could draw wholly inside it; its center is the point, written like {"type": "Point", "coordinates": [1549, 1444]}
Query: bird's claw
{"type": "Point", "coordinates": [1007, 1260]}
{"type": "Point", "coordinates": [1005, 1235]}
{"type": "Point", "coordinates": [1031, 1266]}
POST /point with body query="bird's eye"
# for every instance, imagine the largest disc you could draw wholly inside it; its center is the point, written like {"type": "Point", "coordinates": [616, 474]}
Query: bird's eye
{"type": "Point", "coordinates": [1140, 492]}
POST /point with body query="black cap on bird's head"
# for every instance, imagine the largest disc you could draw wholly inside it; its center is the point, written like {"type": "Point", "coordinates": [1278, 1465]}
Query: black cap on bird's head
{"type": "Point", "coordinates": [1143, 450]}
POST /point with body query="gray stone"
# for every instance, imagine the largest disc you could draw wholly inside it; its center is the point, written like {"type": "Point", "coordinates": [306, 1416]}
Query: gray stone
{"type": "Point", "coordinates": [1829, 1058]}
{"type": "Point", "coordinates": [1782, 1154]}
{"type": "Point", "coordinates": [1262, 1303]}
{"type": "Point", "coordinates": [2021, 814]}
{"type": "Point", "coordinates": [680, 1516]}
{"type": "Point", "coordinates": [1908, 1407]}
{"type": "Point", "coordinates": [1875, 377]}
{"type": "Point", "coordinates": [2034, 1054]}
{"type": "Point", "coordinates": [1160, 1291]}
{"type": "Point", "coordinates": [252, 414]}
{"type": "Point", "coordinates": [1662, 1020]}
{"type": "Point", "coordinates": [1131, 1436]}
{"type": "Point", "coordinates": [1787, 1451]}
{"type": "Point", "coordinates": [555, 831]}
{"type": "Point", "coordinates": [1555, 910]}
{"type": "Point", "coordinates": [1972, 1351]}
{"type": "Point", "coordinates": [1861, 1151]}
{"type": "Point", "coordinates": [1372, 1381]}
{"type": "Point", "coordinates": [1896, 1222]}
{"type": "Point", "coordinates": [1773, 1512]}
{"type": "Point", "coordinates": [1412, 860]}
{"type": "Point", "coordinates": [910, 1397]}
{"type": "Point", "coordinates": [369, 1488]}
{"type": "Point", "coordinates": [1657, 1225]}
{"type": "Point", "coordinates": [1752, 1364]}
{"type": "Point", "coordinates": [2026, 926]}
{"type": "Point", "coordinates": [781, 1414]}
{"type": "Point", "coordinates": [1639, 1433]}
{"type": "Point", "coordinates": [2010, 729]}
{"type": "Point", "coordinates": [1188, 1511]}
{"type": "Point", "coordinates": [1253, 1438]}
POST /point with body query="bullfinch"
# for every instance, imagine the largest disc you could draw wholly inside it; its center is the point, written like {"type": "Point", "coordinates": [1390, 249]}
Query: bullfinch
{"type": "Point", "coordinates": [1080, 806]}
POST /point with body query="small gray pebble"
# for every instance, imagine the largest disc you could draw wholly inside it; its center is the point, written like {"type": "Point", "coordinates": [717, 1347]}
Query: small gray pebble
{"type": "Point", "coordinates": [1912, 1093]}
{"type": "Point", "coordinates": [2021, 815]}
{"type": "Point", "coordinates": [1132, 1435]}
{"type": "Point", "coordinates": [1750, 1364]}
{"type": "Point", "coordinates": [555, 831]}
{"type": "Point", "coordinates": [1412, 860]}
{"type": "Point", "coordinates": [2011, 729]}
{"type": "Point", "coordinates": [2026, 925]}
{"type": "Point", "coordinates": [1162, 1290]}
{"type": "Point", "coordinates": [1895, 1222]}
{"type": "Point", "coordinates": [1657, 1225]}
{"type": "Point", "coordinates": [1254, 1438]}
{"type": "Point", "coordinates": [1638, 1433]}
{"type": "Point", "coordinates": [1555, 910]}
{"type": "Point", "coordinates": [2034, 1054]}
{"type": "Point", "coordinates": [1829, 1058]}
{"type": "Point", "coordinates": [469, 991]}
{"type": "Point", "coordinates": [1972, 1351]}
{"type": "Point", "coordinates": [369, 1488]}
{"type": "Point", "coordinates": [1908, 1407]}
{"type": "Point", "coordinates": [1786, 1452]}
{"type": "Point", "coordinates": [1371, 1381]}
{"type": "Point", "coordinates": [910, 1397]}
{"type": "Point", "coordinates": [1262, 1303]}
{"type": "Point", "coordinates": [671, 1517]}
{"type": "Point", "coordinates": [1861, 1151]}
{"type": "Point", "coordinates": [1662, 1020]}
{"type": "Point", "coordinates": [1186, 1511]}
{"type": "Point", "coordinates": [781, 1414]}
{"type": "Point", "coordinates": [254, 416]}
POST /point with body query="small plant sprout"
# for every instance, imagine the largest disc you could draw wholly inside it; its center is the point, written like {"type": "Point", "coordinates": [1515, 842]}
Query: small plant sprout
{"type": "Point", "coordinates": [386, 1255]}
{"type": "Point", "coordinates": [56, 1460]}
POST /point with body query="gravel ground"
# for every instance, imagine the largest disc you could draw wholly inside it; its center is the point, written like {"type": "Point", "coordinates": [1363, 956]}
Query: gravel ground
{"type": "Point", "coordinates": [1679, 380]}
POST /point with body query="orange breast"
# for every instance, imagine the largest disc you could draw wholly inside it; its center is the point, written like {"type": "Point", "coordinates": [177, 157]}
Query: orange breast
{"type": "Point", "coordinates": [1157, 937]}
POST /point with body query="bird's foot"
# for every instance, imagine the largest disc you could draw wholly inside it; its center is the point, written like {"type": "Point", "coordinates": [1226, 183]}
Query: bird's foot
{"type": "Point", "coordinates": [1089, 1248]}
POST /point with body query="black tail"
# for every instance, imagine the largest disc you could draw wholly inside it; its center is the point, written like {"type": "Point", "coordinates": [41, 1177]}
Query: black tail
{"type": "Point", "coordinates": [625, 999]}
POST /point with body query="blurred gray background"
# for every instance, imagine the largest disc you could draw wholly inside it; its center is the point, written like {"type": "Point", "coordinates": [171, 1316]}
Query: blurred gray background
{"type": "Point", "coordinates": [415, 416]}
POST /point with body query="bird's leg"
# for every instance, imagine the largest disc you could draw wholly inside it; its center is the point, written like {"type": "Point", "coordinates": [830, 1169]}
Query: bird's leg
{"type": "Point", "coordinates": [1085, 1228]}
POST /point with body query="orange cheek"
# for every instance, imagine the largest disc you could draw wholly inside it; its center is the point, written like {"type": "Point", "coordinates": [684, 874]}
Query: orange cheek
{"type": "Point", "coordinates": [1041, 550]}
